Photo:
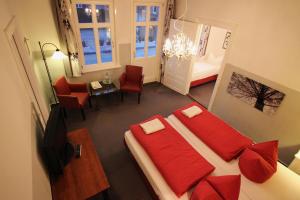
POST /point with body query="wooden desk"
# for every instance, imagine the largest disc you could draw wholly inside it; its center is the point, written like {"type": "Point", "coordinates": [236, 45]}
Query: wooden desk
{"type": "Point", "coordinates": [83, 177]}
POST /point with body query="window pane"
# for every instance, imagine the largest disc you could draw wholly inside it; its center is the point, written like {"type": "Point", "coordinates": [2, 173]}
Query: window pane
{"type": "Point", "coordinates": [141, 12]}
{"type": "Point", "coordinates": [140, 41]}
{"type": "Point", "coordinates": [154, 13]}
{"type": "Point", "coordinates": [152, 41]}
{"type": "Point", "coordinates": [88, 45]}
{"type": "Point", "coordinates": [84, 13]}
{"type": "Point", "coordinates": [102, 12]}
{"type": "Point", "coordinates": [105, 44]}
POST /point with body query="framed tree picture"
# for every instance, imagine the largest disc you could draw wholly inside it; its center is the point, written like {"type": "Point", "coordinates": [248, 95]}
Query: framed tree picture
{"type": "Point", "coordinates": [258, 95]}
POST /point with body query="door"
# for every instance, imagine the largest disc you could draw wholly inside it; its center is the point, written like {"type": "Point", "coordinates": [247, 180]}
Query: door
{"type": "Point", "coordinates": [178, 73]}
{"type": "Point", "coordinates": [20, 50]}
{"type": "Point", "coordinates": [147, 35]}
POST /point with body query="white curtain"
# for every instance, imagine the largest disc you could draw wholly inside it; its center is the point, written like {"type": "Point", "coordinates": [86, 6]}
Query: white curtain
{"type": "Point", "coordinates": [170, 14]}
{"type": "Point", "coordinates": [68, 42]}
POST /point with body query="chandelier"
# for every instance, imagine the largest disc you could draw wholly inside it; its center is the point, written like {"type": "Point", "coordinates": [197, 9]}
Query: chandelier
{"type": "Point", "coordinates": [180, 45]}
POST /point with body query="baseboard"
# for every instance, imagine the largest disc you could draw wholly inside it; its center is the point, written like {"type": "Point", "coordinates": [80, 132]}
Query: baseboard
{"type": "Point", "coordinates": [150, 79]}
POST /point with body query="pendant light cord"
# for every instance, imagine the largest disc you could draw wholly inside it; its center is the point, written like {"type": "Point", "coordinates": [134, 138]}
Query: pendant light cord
{"type": "Point", "coordinates": [180, 17]}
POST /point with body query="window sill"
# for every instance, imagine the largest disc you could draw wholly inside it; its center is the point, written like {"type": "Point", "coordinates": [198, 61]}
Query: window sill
{"type": "Point", "coordinates": [98, 68]}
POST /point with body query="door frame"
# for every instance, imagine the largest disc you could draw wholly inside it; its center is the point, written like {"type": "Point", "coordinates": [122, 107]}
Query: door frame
{"type": "Point", "coordinates": [159, 41]}
{"type": "Point", "coordinates": [225, 25]}
{"type": "Point", "coordinates": [25, 68]}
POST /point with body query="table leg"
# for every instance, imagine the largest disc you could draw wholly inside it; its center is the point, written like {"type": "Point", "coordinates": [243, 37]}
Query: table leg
{"type": "Point", "coordinates": [105, 195]}
{"type": "Point", "coordinates": [97, 106]}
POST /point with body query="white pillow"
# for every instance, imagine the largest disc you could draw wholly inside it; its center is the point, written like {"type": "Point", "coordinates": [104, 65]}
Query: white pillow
{"type": "Point", "coordinates": [152, 126]}
{"type": "Point", "coordinates": [192, 111]}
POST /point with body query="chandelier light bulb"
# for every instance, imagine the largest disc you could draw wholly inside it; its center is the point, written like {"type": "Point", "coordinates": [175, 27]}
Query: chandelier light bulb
{"type": "Point", "coordinates": [180, 46]}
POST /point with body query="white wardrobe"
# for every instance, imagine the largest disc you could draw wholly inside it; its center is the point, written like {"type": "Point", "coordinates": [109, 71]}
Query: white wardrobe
{"type": "Point", "coordinates": [177, 73]}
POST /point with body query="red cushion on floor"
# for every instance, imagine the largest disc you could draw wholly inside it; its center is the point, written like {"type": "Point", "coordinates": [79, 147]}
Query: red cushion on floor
{"type": "Point", "coordinates": [218, 187]}
{"type": "Point", "coordinates": [255, 167]}
{"type": "Point", "coordinates": [82, 97]}
{"type": "Point", "coordinates": [130, 87]}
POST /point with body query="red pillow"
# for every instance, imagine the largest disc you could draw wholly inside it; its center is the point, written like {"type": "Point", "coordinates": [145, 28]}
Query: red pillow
{"type": "Point", "coordinates": [218, 188]}
{"type": "Point", "coordinates": [259, 162]}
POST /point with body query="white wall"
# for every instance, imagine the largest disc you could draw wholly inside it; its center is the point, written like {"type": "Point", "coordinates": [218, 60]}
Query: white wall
{"type": "Point", "coordinates": [40, 25]}
{"type": "Point", "coordinates": [265, 34]}
{"type": "Point", "coordinates": [21, 173]}
{"type": "Point", "coordinates": [265, 42]}
{"type": "Point", "coordinates": [37, 20]}
{"type": "Point", "coordinates": [215, 41]}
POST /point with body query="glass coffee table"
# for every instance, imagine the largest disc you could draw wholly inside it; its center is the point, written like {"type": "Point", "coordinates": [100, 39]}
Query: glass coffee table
{"type": "Point", "coordinates": [106, 90]}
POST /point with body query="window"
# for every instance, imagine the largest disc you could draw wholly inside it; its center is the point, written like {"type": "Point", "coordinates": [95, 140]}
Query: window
{"type": "Point", "coordinates": [146, 30]}
{"type": "Point", "coordinates": [95, 27]}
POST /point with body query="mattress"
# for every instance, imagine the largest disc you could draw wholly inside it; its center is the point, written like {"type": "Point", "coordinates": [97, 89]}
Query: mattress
{"type": "Point", "coordinates": [272, 189]}
{"type": "Point", "coordinates": [203, 70]}
{"type": "Point", "coordinates": [159, 185]}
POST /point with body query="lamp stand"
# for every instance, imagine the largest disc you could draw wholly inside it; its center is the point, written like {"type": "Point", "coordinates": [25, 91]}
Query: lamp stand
{"type": "Point", "coordinates": [48, 72]}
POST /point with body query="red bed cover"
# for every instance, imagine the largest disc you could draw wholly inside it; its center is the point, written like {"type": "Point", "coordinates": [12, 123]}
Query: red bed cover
{"type": "Point", "coordinates": [215, 133]}
{"type": "Point", "coordinates": [176, 160]}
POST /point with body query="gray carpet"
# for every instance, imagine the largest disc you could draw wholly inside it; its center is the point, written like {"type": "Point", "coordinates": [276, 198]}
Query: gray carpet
{"type": "Point", "coordinates": [202, 93]}
{"type": "Point", "coordinates": [107, 127]}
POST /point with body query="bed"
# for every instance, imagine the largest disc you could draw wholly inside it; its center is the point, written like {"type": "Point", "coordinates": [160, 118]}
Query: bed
{"type": "Point", "coordinates": [272, 189]}
{"type": "Point", "coordinates": [205, 70]}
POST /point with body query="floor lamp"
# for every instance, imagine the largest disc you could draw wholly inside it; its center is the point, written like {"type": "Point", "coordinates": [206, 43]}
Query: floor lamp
{"type": "Point", "coordinates": [57, 55]}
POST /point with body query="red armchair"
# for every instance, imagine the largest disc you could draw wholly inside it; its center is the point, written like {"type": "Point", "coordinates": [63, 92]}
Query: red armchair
{"type": "Point", "coordinates": [131, 81]}
{"type": "Point", "coordinates": [72, 95]}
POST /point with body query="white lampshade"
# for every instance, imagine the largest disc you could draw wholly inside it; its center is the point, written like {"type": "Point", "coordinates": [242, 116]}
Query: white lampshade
{"type": "Point", "coordinates": [297, 155]}
{"type": "Point", "coordinates": [58, 55]}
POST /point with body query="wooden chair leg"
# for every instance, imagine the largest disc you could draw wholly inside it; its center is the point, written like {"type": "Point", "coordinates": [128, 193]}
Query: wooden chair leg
{"type": "Point", "coordinates": [90, 102]}
{"type": "Point", "coordinates": [82, 113]}
{"type": "Point", "coordinates": [139, 98]}
{"type": "Point", "coordinates": [122, 96]}
{"type": "Point", "coordinates": [65, 112]}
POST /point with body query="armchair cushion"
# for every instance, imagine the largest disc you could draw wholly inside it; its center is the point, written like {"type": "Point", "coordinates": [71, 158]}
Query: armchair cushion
{"type": "Point", "coordinates": [82, 97]}
{"type": "Point", "coordinates": [134, 73]}
{"type": "Point", "coordinates": [71, 95]}
{"type": "Point", "coordinates": [78, 87]}
{"type": "Point", "coordinates": [122, 79]}
{"type": "Point", "coordinates": [68, 101]}
{"type": "Point", "coordinates": [131, 87]}
{"type": "Point", "coordinates": [62, 87]}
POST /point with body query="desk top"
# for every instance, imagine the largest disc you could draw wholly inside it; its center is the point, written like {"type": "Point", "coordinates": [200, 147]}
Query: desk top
{"type": "Point", "coordinates": [106, 89]}
{"type": "Point", "coordinates": [83, 177]}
